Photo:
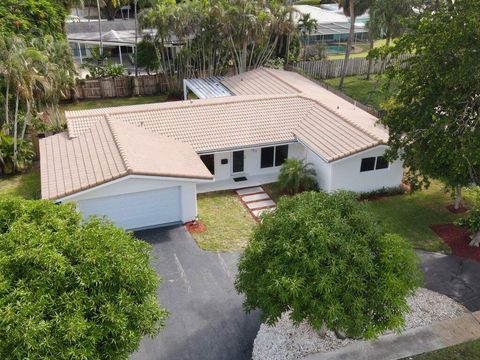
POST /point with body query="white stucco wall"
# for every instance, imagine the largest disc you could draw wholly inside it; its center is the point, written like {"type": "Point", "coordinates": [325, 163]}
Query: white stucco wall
{"type": "Point", "coordinates": [322, 168]}
{"type": "Point", "coordinates": [251, 162]}
{"type": "Point", "coordinates": [132, 184]}
{"type": "Point", "coordinates": [345, 173]}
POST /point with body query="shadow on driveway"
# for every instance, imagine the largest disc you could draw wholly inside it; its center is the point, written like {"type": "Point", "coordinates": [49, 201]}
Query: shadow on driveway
{"type": "Point", "coordinates": [206, 319]}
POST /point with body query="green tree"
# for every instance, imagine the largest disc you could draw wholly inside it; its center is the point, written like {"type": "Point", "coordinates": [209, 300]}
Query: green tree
{"type": "Point", "coordinates": [306, 25]}
{"type": "Point", "coordinates": [433, 117]}
{"type": "Point", "coordinates": [352, 9]}
{"type": "Point", "coordinates": [296, 176]}
{"type": "Point", "coordinates": [32, 17]}
{"type": "Point", "coordinates": [71, 289]}
{"type": "Point", "coordinates": [147, 56]}
{"type": "Point", "coordinates": [325, 260]}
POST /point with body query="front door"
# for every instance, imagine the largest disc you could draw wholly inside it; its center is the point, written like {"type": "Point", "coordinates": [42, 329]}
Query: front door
{"type": "Point", "coordinates": [237, 161]}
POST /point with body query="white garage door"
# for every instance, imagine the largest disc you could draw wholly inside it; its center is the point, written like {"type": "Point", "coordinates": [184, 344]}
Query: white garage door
{"type": "Point", "coordinates": [137, 210]}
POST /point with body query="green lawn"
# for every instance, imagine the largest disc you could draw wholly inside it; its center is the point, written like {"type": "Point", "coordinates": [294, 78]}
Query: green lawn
{"type": "Point", "coordinates": [26, 185]}
{"type": "Point", "coordinates": [410, 216]}
{"type": "Point", "coordinates": [364, 47]}
{"type": "Point", "coordinates": [99, 103]}
{"type": "Point", "coordinates": [467, 351]}
{"type": "Point", "coordinates": [367, 92]}
{"type": "Point", "coordinates": [228, 223]}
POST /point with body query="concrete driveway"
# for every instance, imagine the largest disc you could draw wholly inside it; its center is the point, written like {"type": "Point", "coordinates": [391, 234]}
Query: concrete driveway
{"type": "Point", "coordinates": [206, 316]}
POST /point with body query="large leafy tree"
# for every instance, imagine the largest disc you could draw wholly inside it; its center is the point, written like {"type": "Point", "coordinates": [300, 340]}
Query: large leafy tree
{"type": "Point", "coordinates": [72, 290]}
{"type": "Point", "coordinates": [35, 17]}
{"type": "Point", "coordinates": [433, 119]}
{"type": "Point", "coordinates": [325, 260]}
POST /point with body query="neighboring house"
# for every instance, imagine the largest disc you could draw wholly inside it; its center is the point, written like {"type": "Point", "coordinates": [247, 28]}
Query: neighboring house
{"type": "Point", "coordinates": [143, 165]}
{"type": "Point", "coordinates": [332, 25]}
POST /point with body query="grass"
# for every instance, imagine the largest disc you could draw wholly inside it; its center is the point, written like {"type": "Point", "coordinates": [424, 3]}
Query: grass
{"type": "Point", "coordinates": [469, 350]}
{"type": "Point", "coordinates": [26, 185]}
{"type": "Point", "coordinates": [229, 224]}
{"type": "Point", "coordinates": [367, 92]}
{"type": "Point", "coordinates": [100, 103]}
{"type": "Point", "coordinates": [363, 47]}
{"type": "Point", "coordinates": [410, 216]}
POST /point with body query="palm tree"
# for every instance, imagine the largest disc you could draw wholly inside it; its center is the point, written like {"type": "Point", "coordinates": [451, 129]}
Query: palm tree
{"type": "Point", "coordinates": [296, 176]}
{"type": "Point", "coordinates": [352, 9]}
{"type": "Point", "coordinates": [306, 25]}
{"type": "Point", "coordinates": [100, 27]}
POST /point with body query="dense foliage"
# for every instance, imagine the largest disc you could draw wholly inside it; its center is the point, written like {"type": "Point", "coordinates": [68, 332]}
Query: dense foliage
{"type": "Point", "coordinates": [70, 290]}
{"type": "Point", "coordinates": [323, 258]}
{"type": "Point", "coordinates": [148, 56]}
{"type": "Point", "coordinates": [211, 36]}
{"type": "Point", "coordinates": [434, 119]}
{"type": "Point", "coordinates": [296, 176]}
{"type": "Point", "coordinates": [32, 17]}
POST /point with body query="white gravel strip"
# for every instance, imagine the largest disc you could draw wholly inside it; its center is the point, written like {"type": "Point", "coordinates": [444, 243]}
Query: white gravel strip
{"type": "Point", "coordinates": [284, 341]}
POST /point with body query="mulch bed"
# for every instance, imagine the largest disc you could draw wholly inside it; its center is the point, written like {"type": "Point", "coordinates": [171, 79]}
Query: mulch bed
{"type": "Point", "coordinates": [460, 210]}
{"type": "Point", "coordinates": [457, 239]}
{"type": "Point", "coordinates": [195, 227]}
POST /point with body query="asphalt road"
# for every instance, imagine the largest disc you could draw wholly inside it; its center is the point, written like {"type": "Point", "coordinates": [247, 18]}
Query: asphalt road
{"type": "Point", "coordinates": [206, 317]}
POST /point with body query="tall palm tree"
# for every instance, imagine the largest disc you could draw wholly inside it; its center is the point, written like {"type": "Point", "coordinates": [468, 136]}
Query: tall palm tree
{"type": "Point", "coordinates": [352, 9]}
{"type": "Point", "coordinates": [306, 25]}
{"type": "Point", "coordinates": [100, 27]}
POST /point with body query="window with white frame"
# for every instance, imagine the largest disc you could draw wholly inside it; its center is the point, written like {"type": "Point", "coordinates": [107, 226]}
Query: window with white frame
{"type": "Point", "coordinates": [373, 163]}
{"type": "Point", "coordinates": [273, 156]}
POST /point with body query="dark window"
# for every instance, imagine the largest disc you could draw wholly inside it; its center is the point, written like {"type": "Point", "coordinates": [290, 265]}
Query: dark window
{"type": "Point", "coordinates": [266, 159]}
{"type": "Point", "coordinates": [281, 154]}
{"type": "Point", "coordinates": [381, 163]}
{"type": "Point", "coordinates": [368, 164]}
{"type": "Point", "coordinates": [209, 162]}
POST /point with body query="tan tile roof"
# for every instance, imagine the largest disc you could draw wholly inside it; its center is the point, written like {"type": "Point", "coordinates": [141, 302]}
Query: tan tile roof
{"type": "Point", "coordinates": [270, 106]}
{"type": "Point", "coordinates": [110, 150]}
{"type": "Point", "coordinates": [213, 124]}
{"type": "Point", "coordinates": [259, 82]}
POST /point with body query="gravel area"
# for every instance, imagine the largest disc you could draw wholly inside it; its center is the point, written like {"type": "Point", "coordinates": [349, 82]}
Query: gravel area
{"type": "Point", "coordinates": [284, 341]}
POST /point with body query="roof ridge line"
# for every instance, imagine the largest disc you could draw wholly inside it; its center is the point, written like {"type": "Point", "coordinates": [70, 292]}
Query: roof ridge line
{"type": "Point", "coordinates": [120, 148]}
{"type": "Point", "coordinates": [356, 126]}
{"type": "Point", "coordinates": [233, 100]}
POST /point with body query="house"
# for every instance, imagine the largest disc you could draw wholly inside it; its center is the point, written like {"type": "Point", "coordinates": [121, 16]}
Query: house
{"type": "Point", "coordinates": [333, 26]}
{"type": "Point", "coordinates": [143, 165]}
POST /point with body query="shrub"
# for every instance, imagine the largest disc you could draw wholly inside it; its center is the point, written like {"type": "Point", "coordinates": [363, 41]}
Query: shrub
{"type": "Point", "coordinates": [385, 191]}
{"type": "Point", "coordinates": [147, 56]}
{"type": "Point", "coordinates": [296, 176]}
{"type": "Point", "coordinates": [71, 290]}
{"type": "Point", "coordinates": [472, 223]}
{"type": "Point", "coordinates": [323, 258]}
{"type": "Point", "coordinates": [25, 154]}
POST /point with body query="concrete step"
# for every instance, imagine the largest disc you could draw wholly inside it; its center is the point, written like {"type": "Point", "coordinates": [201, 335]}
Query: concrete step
{"type": "Point", "coordinates": [250, 190]}
{"type": "Point", "coordinates": [260, 204]}
{"type": "Point", "coordinates": [256, 197]}
{"type": "Point", "coordinates": [258, 213]}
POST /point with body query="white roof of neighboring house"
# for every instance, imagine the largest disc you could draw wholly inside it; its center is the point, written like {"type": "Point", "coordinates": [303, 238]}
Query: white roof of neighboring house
{"type": "Point", "coordinates": [110, 150]}
{"type": "Point", "coordinates": [268, 107]}
{"type": "Point", "coordinates": [329, 22]}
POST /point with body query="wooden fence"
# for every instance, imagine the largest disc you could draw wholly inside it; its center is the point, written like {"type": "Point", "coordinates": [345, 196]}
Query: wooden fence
{"type": "Point", "coordinates": [120, 87]}
{"type": "Point", "coordinates": [328, 69]}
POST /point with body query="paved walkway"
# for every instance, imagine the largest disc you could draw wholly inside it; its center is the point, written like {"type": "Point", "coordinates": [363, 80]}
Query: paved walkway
{"type": "Point", "coordinates": [256, 200]}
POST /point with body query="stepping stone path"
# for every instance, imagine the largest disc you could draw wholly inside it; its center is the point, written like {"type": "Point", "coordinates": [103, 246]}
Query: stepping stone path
{"type": "Point", "coordinates": [256, 200]}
